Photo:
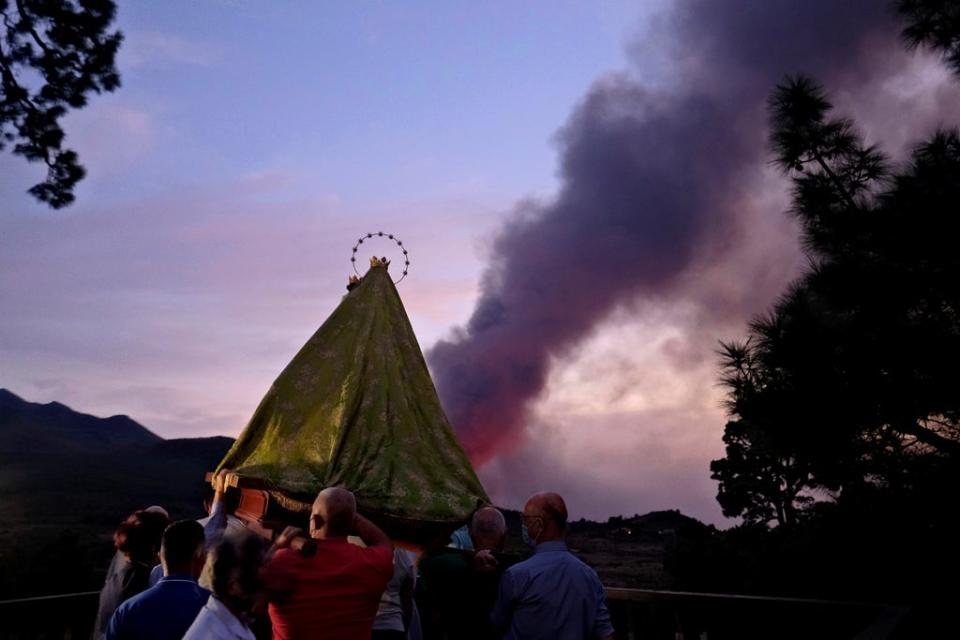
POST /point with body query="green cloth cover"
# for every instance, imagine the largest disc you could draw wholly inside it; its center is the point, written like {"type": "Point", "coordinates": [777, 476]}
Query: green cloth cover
{"type": "Point", "coordinates": [356, 407]}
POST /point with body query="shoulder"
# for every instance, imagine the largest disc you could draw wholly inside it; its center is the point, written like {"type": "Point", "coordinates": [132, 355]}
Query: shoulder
{"type": "Point", "coordinates": [588, 573]}
{"type": "Point", "coordinates": [280, 573]}
{"type": "Point", "coordinates": [379, 557]}
{"type": "Point", "coordinates": [403, 562]}
{"type": "Point", "coordinates": [202, 626]}
{"type": "Point", "coordinates": [529, 564]}
{"type": "Point", "coordinates": [134, 602]}
{"type": "Point", "coordinates": [444, 561]}
{"type": "Point", "coordinates": [198, 594]}
{"type": "Point", "coordinates": [121, 613]}
{"type": "Point", "coordinates": [206, 626]}
{"type": "Point", "coordinates": [404, 557]}
{"type": "Point", "coordinates": [283, 555]}
{"type": "Point", "coordinates": [127, 612]}
{"type": "Point", "coordinates": [520, 567]}
{"type": "Point", "coordinates": [546, 561]}
{"type": "Point", "coordinates": [520, 572]}
{"type": "Point", "coordinates": [371, 565]}
{"type": "Point", "coordinates": [286, 559]}
{"type": "Point", "coordinates": [445, 570]}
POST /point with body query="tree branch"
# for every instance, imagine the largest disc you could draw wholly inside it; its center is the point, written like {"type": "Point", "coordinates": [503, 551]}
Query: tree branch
{"type": "Point", "coordinates": [28, 19]}
{"type": "Point", "coordinates": [930, 438]}
{"type": "Point", "coordinates": [11, 85]}
{"type": "Point", "coordinates": [835, 179]}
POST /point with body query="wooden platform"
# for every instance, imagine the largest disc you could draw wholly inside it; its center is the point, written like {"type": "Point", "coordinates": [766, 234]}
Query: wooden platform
{"type": "Point", "coordinates": [258, 507]}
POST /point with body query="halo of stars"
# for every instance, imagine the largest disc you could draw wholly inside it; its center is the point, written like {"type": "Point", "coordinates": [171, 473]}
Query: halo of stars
{"type": "Point", "coordinates": [388, 236]}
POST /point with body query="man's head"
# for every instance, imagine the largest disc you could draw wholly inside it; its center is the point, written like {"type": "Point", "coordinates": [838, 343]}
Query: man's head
{"type": "Point", "coordinates": [182, 549]}
{"type": "Point", "coordinates": [545, 516]}
{"type": "Point", "coordinates": [233, 570]}
{"type": "Point", "coordinates": [158, 509]}
{"type": "Point", "coordinates": [488, 529]}
{"type": "Point", "coordinates": [138, 537]}
{"type": "Point", "coordinates": [333, 513]}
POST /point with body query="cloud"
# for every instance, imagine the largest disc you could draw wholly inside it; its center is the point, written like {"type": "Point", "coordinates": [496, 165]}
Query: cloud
{"type": "Point", "coordinates": [111, 137]}
{"type": "Point", "coordinates": [587, 364]}
{"type": "Point", "coordinates": [666, 201]}
{"type": "Point", "coordinates": [638, 466]}
{"type": "Point", "coordinates": [181, 310]}
{"type": "Point", "coordinates": [153, 48]}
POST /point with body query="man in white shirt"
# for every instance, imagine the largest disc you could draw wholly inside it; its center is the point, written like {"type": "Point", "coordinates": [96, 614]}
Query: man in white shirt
{"type": "Point", "coordinates": [395, 614]}
{"type": "Point", "coordinates": [232, 569]}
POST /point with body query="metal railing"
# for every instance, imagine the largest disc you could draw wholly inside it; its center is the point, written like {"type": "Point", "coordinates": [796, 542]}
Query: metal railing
{"type": "Point", "coordinates": [637, 615]}
{"type": "Point", "coordinates": [640, 614]}
{"type": "Point", "coordinates": [69, 616]}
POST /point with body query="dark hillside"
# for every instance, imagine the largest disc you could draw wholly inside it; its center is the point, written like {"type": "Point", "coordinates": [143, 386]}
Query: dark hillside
{"type": "Point", "coordinates": [67, 479]}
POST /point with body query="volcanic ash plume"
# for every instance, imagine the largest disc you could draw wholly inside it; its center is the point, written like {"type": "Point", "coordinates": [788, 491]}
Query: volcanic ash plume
{"type": "Point", "coordinates": [652, 186]}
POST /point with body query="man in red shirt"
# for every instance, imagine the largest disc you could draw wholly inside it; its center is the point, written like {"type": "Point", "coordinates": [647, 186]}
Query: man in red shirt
{"type": "Point", "coordinates": [334, 591]}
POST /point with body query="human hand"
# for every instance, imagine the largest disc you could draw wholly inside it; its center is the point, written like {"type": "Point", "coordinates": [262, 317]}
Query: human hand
{"type": "Point", "coordinates": [371, 534]}
{"type": "Point", "coordinates": [306, 547]}
{"type": "Point", "coordinates": [289, 537]}
{"type": "Point", "coordinates": [219, 480]}
{"type": "Point", "coordinates": [484, 560]}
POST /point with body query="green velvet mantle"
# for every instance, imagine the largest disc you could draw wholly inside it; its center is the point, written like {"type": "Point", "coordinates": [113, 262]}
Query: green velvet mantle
{"type": "Point", "coordinates": [356, 407]}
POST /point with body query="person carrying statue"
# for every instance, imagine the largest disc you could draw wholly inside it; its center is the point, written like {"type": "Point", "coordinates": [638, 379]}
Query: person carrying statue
{"type": "Point", "coordinates": [321, 583]}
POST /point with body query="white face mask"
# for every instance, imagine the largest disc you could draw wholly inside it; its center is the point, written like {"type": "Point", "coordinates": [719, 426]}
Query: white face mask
{"type": "Point", "coordinates": [529, 540]}
{"type": "Point", "coordinates": [525, 534]}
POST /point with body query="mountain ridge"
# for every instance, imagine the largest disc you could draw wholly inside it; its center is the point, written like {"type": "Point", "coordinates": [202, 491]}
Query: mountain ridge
{"type": "Point", "coordinates": [62, 496]}
{"type": "Point", "coordinates": [32, 424]}
{"type": "Point", "coordinates": [68, 478]}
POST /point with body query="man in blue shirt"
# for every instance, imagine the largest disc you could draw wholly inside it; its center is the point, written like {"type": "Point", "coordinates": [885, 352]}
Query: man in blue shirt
{"type": "Point", "coordinates": [552, 595]}
{"type": "Point", "coordinates": [166, 610]}
{"type": "Point", "coordinates": [216, 525]}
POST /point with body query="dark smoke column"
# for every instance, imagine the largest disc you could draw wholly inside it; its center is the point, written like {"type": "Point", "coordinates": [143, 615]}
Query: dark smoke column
{"type": "Point", "coordinates": [651, 183]}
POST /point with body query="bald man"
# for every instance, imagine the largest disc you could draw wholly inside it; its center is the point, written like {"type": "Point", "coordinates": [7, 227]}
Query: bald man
{"type": "Point", "coordinates": [552, 595]}
{"type": "Point", "coordinates": [457, 588]}
{"type": "Point", "coordinates": [330, 586]}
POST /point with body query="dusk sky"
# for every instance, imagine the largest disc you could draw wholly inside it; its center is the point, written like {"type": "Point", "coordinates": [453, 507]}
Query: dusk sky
{"type": "Point", "coordinates": [251, 143]}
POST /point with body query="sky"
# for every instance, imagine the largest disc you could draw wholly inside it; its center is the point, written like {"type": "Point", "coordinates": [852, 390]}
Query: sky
{"type": "Point", "coordinates": [583, 188]}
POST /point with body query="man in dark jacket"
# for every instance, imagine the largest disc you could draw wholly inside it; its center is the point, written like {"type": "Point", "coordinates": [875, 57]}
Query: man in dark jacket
{"type": "Point", "coordinates": [457, 588]}
{"type": "Point", "coordinates": [137, 540]}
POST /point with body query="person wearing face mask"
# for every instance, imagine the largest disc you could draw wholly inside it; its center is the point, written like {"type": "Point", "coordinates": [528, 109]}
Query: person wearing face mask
{"type": "Point", "coordinates": [551, 595]}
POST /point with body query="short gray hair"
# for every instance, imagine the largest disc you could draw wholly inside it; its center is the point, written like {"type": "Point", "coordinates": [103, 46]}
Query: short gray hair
{"type": "Point", "coordinates": [488, 521]}
{"type": "Point", "coordinates": [235, 559]}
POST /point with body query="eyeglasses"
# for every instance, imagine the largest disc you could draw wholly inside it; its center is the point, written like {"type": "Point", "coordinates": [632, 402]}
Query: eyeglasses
{"type": "Point", "coordinates": [532, 518]}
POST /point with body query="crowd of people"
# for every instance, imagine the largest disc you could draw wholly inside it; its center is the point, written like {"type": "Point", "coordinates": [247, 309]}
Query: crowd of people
{"type": "Point", "coordinates": [343, 578]}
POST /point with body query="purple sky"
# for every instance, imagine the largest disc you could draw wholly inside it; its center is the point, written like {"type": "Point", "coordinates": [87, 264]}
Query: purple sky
{"type": "Point", "coordinates": [251, 144]}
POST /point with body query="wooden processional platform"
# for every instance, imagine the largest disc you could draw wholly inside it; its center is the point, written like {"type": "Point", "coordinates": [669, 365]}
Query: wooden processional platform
{"type": "Point", "coordinates": [255, 502]}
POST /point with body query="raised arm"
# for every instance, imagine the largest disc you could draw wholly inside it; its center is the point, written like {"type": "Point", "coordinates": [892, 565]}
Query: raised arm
{"type": "Point", "coordinates": [371, 534]}
{"type": "Point", "coordinates": [217, 524]}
